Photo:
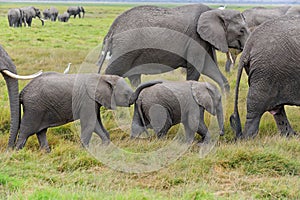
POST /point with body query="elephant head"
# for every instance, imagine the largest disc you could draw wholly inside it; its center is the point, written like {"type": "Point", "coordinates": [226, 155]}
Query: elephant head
{"type": "Point", "coordinates": [223, 29]}
{"type": "Point", "coordinates": [109, 91]}
{"type": "Point", "coordinates": [8, 70]}
{"type": "Point", "coordinates": [208, 96]}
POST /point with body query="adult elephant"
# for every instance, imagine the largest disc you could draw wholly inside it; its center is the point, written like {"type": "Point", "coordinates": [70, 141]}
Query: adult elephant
{"type": "Point", "coordinates": [50, 13]}
{"type": "Point", "coordinates": [15, 17]}
{"type": "Point", "coordinates": [8, 70]}
{"type": "Point", "coordinates": [256, 16]}
{"type": "Point", "coordinates": [76, 10]}
{"type": "Point", "coordinates": [30, 13]}
{"type": "Point", "coordinates": [271, 59]}
{"type": "Point", "coordinates": [185, 36]}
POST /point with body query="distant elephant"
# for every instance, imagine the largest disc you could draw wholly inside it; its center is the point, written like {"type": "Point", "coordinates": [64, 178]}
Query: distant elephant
{"type": "Point", "coordinates": [54, 99]}
{"type": "Point", "coordinates": [15, 17]}
{"type": "Point", "coordinates": [187, 37]}
{"type": "Point", "coordinates": [64, 17]}
{"type": "Point", "coordinates": [50, 13]}
{"type": "Point", "coordinates": [76, 10]}
{"type": "Point", "coordinates": [8, 70]}
{"type": "Point", "coordinates": [168, 103]}
{"type": "Point", "coordinates": [271, 59]}
{"type": "Point", "coordinates": [256, 16]}
{"type": "Point", "coordinates": [31, 12]}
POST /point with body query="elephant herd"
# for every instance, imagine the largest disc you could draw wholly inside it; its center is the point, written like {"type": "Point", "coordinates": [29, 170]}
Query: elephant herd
{"type": "Point", "coordinates": [18, 16]}
{"type": "Point", "coordinates": [153, 40]}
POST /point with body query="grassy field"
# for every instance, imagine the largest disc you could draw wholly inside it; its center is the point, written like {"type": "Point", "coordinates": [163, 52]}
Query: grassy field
{"type": "Point", "coordinates": [267, 167]}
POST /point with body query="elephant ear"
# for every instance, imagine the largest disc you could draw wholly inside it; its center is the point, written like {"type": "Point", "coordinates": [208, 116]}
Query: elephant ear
{"type": "Point", "coordinates": [211, 28]}
{"type": "Point", "coordinates": [203, 96]}
{"type": "Point", "coordinates": [100, 88]}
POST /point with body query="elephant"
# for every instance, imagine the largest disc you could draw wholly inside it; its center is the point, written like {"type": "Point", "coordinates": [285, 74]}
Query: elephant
{"type": "Point", "coordinates": [76, 10]}
{"type": "Point", "coordinates": [184, 36]}
{"type": "Point", "coordinates": [50, 13]}
{"type": "Point", "coordinates": [167, 103]}
{"type": "Point", "coordinates": [15, 17]}
{"type": "Point", "coordinates": [31, 12]}
{"type": "Point", "coordinates": [256, 16]}
{"type": "Point", "coordinates": [271, 60]}
{"type": "Point", "coordinates": [9, 72]}
{"type": "Point", "coordinates": [63, 17]}
{"type": "Point", "coordinates": [54, 99]}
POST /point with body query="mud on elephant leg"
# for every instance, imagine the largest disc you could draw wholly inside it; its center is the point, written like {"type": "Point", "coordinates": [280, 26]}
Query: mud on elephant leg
{"type": "Point", "coordinates": [282, 122]}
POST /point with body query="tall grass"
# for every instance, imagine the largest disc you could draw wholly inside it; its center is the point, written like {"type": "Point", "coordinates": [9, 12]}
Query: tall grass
{"type": "Point", "coordinates": [267, 167]}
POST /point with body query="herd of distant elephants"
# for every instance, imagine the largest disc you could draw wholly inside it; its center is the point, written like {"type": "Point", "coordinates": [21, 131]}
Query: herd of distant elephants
{"type": "Point", "coordinates": [151, 40]}
{"type": "Point", "coordinates": [18, 16]}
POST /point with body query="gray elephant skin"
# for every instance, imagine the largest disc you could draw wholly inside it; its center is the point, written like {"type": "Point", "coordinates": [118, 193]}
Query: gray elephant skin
{"type": "Point", "coordinates": [54, 99]}
{"type": "Point", "coordinates": [64, 17]}
{"type": "Point", "coordinates": [15, 17]}
{"type": "Point", "coordinates": [30, 13]}
{"type": "Point", "coordinates": [7, 65]}
{"type": "Point", "coordinates": [168, 103]}
{"type": "Point", "coordinates": [271, 60]}
{"type": "Point", "coordinates": [256, 16]}
{"type": "Point", "coordinates": [50, 13]}
{"type": "Point", "coordinates": [187, 35]}
{"type": "Point", "coordinates": [76, 10]}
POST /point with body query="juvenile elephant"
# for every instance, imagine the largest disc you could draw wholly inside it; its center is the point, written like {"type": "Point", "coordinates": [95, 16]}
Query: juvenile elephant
{"type": "Point", "coordinates": [9, 72]}
{"type": "Point", "coordinates": [54, 99]}
{"type": "Point", "coordinates": [31, 12]}
{"type": "Point", "coordinates": [271, 60]}
{"type": "Point", "coordinates": [50, 13]}
{"type": "Point", "coordinates": [76, 10]}
{"type": "Point", "coordinates": [64, 17]}
{"type": "Point", "coordinates": [168, 103]}
{"type": "Point", "coordinates": [185, 36]}
{"type": "Point", "coordinates": [15, 17]}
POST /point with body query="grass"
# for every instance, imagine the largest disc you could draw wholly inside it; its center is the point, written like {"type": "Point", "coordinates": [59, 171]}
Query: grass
{"type": "Point", "coordinates": [267, 167]}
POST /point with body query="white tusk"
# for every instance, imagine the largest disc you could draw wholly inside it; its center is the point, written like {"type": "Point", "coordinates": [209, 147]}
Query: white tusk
{"type": "Point", "coordinates": [230, 57]}
{"type": "Point", "coordinates": [15, 76]}
{"type": "Point", "coordinates": [67, 69]}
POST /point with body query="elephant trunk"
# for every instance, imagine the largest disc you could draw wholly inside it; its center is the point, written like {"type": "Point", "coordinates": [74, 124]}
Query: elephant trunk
{"type": "Point", "coordinates": [13, 93]}
{"type": "Point", "coordinates": [220, 118]}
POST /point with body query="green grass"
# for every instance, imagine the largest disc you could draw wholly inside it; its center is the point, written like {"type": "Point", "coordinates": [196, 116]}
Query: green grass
{"type": "Point", "coordinates": [267, 167]}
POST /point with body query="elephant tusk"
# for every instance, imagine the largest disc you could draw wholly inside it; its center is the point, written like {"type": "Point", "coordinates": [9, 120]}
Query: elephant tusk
{"type": "Point", "coordinates": [15, 76]}
{"type": "Point", "coordinates": [230, 57]}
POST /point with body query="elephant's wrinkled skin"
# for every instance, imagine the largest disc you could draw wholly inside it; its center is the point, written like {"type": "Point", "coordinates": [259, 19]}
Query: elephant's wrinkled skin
{"type": "Point", "coordinates": [271, 60]}
{"type": "Point", "coordinates": [55, 99]}
{"type": "Point", "coordinates": [165, 104]}
{"type": "Point", "coordinates": [185, 36]}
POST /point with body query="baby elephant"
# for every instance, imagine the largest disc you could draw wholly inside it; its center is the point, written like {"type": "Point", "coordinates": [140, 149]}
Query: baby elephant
{"type": "Point", "coordinates": [165, 104]}
{"type": "Point", "coordinates": [54, 99]}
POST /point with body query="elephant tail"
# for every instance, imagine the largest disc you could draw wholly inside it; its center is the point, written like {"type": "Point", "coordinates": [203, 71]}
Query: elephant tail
{"type": "Point", "coordinates": [103, 53]}
{"type": "Point", "coordinates": [235, 121]}
{"type": "Point", "coordinates": [142, 86]}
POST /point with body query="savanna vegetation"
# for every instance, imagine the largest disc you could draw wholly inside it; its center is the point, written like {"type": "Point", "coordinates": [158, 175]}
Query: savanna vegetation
{"type": "Point", "coordinates": [267, 167]}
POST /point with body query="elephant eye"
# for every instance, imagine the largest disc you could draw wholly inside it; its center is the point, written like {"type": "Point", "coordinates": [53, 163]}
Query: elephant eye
{"type": "Point", "coordinates": [242, 30]}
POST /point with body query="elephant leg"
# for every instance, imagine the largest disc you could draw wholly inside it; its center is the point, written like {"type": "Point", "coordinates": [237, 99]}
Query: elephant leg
{"type": "Point", "coordinates": [189, 133]}
{"type": "Point", "coordinates": [25, 132]}
{"type": "Point", "coordinates": [88, 121]}
{"type": "Point", "coordinates": [101, 131]}
{"type": "Point", "coordinates": [135, 80]}
{"type": "Point", "coordinates": [282, 122]}
{"type": "Point", "coordinates": [192, 73]}
{"type": "Point", "coordinates": [42, 138]}
{"type": "Point", "coordinates": [137, 126]}
{"type": "Point", "coordinates": [202, 129]}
